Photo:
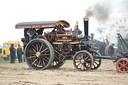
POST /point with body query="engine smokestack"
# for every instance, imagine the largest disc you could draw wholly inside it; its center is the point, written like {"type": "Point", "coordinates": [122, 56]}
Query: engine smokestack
{"type": "Point", "coordinates": [92, 37]}
{"type": "Point", "coordinates": [86, 27]}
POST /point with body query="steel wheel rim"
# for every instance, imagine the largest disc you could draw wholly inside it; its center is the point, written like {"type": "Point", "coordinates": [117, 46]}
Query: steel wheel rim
{"type": "Point", "coordinates": [82, 61]}
{"type": "Point", "coordinates": [37, 54]}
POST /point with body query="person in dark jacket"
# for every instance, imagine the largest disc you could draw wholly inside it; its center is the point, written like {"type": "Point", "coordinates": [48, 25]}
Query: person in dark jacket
{"type": "Point", "coordinates": [19, 53]}
{"type": "Point", "coordinates": [12, 53]}
{"type": "Point", "coordinates": [31, 33]}
{"type": "Point", "coordinates": [40, 31]}
{"type": "Point", "coordinates": [26, 35]}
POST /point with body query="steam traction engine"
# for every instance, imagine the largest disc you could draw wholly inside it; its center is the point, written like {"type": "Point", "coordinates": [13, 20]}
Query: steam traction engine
{"type": "Point", "coordinates": [104, 47]}
{"type": "Point", "coordinates": [52, 49]}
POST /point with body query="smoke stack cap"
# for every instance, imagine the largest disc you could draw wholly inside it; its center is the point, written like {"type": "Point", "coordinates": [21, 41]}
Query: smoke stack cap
{"type": "Point", "coordinates": [86, 19]}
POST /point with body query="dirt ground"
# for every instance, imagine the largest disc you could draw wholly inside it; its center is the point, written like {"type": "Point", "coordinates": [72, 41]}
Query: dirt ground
{"type": "Point", "coordinates": [21, 74]}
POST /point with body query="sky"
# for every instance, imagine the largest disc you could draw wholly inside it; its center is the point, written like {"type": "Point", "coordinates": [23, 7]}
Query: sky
{"type": "Point", "coordinates": [15, 11]}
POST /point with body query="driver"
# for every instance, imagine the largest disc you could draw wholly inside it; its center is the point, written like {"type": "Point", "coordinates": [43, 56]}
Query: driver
{"type": "Point", "coordinates": [59, 29]}
{"type": "Point", "coordinates": [40, 31]}
{"type": "Point", "coordinates": [31, 33]}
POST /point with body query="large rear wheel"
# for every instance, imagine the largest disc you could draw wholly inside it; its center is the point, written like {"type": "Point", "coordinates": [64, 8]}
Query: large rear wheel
{"type": "Point", "coordinates": [39, 54]}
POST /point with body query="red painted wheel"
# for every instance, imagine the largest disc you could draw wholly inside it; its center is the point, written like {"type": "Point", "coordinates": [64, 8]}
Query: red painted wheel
{"type": "Point", "coordinates": [122, 65]}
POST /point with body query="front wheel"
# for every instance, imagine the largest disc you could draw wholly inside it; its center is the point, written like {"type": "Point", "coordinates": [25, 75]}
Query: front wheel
{"type": "Point", "coordinates": [83, 60]}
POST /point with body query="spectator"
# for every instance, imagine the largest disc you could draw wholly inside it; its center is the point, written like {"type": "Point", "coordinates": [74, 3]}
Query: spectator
{"type": "Point", "coordinates": [12, 53]}
{"type": "Point", "coordinates": [19, 53]}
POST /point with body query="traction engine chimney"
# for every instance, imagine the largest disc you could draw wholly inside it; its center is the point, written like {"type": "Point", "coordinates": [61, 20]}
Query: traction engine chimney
{"type": "Point", "coordinates": [86, 27]}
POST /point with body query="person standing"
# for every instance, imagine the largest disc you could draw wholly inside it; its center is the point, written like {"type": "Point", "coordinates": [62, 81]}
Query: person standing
{"type": "Point", "coordinates": [26, 35]}
{"type": "Point", "coordinates": [76, 29]}
{"type": "Point", "coordinates": [19, 53]}
{"type": "Point", "coordinates": [12, 53]}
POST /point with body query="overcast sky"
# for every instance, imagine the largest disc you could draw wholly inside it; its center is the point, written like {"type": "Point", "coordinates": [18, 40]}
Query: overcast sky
{"type": "Point", "coordinates": [15, 11]}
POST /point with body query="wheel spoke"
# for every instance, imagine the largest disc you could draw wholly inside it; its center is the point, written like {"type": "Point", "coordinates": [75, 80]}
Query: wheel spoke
{"type": "Point", "coordinates": [78, 64]}
{"type": "Point", "coordinates": [95, 62]}
{"type": "Point", "coordinates": [32, 51]}
{"type": "Point", "coordinates": [34, 61]}
{"type": "Point", "coordinates": [44, 50]}
{"type": "Point", "coordinates": [33, 46]}
{"type": "Point", "coordinates": [120, 63]}
{"type": "Point", "coordinates": [45, 54]}
{"type": "Point", "coordinates": [41, 47]}
{"type": "Point", "coordinates": [77, 61]}
{"type": "Point", "coordinates": [127, 68]}
{"type": "Point", "coordinates": [82, 56]}
{"type": "Point", "coordinates": [94, 65]}
{"type": "Point", "coordinates": [33, 54]}
{"type": "Point", "coordinates": [86, 62]}
{"type": "Point", "coordinates": [43, 63]}
{"type": "Point", "coordinates": [39, 62]}
{"type": "Point", "coordinates": [88, 65]}
{"type": "Point", "coordinates": [55, 62]}
{"type": "Point", "coordinates": [31, 57]}
{"type": "Point", "coordinates": [37, 47]}
{"type": "Point", "coordinates": [45, 59]}
{"type": "Point", "coordinates": [123, 69]}
{"type": "Point", "coordinates": [83, 67]}
{"type": "Point", "coordinates": [86, 58]}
